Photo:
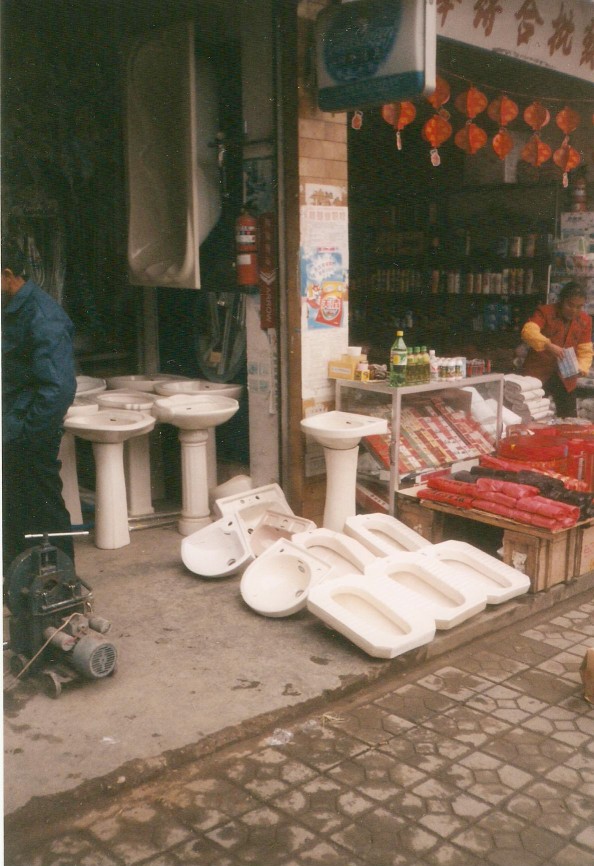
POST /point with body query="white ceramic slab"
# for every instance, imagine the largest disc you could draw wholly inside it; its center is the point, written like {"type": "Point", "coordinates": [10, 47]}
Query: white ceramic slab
{"type": "Point", "coordinates": [383, 534]}
{"type": "Point", "coordinates": [219, 549]}
{"type": "Point", "coordinates": [278, 582]}
{"type": "Point", "coordinates": [447, 597]}
{"type": "Point", "coordinates": [375, 615]}
{"type": "Point", "coordinates": [345, 555]}
{"type": "Point", "coordinates": [499, 581]}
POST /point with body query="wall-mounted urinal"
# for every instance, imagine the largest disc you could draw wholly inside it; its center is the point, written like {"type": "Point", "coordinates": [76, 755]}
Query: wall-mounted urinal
{"type": "Point", "coordinates": [383, 534]}
{"type": "Point", "coordinates": [219, 549]}
{"type": "Point", "coordinates": [381, 618]}
{"type": "Point", "coordinates": [343, 554]}
{"type": "Point", "coordinates": [251, 504]}
{"type": "Point", "coordinates": [278, 582]}
{"type": "Point", "coordinates": [275, 526]}
{"type": "Point", "coordinates": [499, 581]}
{"type": "Point", "coordinates": [446, 596]}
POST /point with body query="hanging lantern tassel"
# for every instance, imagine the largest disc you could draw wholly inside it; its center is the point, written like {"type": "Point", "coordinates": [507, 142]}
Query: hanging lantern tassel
{"type": "Point", "coordinates": [436, 130]}
{"type": "Point", "coordinates": [357, 120]}
{"type": "Point", "coordinates": [566, 158]}
{"type": "Point", "coordinates": [399, 115]}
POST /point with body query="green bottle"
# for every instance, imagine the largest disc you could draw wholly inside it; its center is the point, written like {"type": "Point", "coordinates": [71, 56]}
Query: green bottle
{"type": "Point", "coordinates": [398, 361]}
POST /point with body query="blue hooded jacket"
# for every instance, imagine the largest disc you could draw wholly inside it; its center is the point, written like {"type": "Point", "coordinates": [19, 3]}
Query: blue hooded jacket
{"type": "Point", "coordinates": [38, 373]}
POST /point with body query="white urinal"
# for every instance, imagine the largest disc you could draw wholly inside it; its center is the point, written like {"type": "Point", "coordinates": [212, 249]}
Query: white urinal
{"type": "Point", "coordinates": [381, 618]}
{"type": "Point", "coordinates": [278, 582]}
{"type": "Point", "coordinates": [218, 549]}
{"type": "Point", "coordinates": [383, 534]}
{"type": "Point", "coordinates": [449, 598]}
{"type": "Point", "coordinates": [274, 526]}
{"type": "Point", "coordinates": [499, 581]}
{"type": "Point", "coordinates": [251, 504]}
{"type": "Point", "coordinates": [345, 555]}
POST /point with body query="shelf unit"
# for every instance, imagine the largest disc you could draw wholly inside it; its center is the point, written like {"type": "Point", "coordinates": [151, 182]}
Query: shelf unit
{"type": "Point", "coordinates": [350, 396]}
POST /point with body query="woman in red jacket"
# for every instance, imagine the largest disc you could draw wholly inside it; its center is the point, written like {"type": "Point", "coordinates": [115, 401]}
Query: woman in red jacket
{"type": "Point", "coordinates": [551, 329]}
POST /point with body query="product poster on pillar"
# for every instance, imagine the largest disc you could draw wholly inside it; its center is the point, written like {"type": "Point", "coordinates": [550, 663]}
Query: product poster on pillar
{"type": "Point", "coordinates": [324, 265]}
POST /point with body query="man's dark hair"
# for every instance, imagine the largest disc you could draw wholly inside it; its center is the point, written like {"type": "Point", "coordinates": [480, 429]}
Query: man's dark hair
{"type": "Point", "coordinates": [13, 258]}
{"type": "Point", "coordinates": [572, 289]}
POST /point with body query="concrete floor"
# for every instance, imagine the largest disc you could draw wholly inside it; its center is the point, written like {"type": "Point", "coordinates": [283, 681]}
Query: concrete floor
{"type": "Point", "coordinates": [197, 669]}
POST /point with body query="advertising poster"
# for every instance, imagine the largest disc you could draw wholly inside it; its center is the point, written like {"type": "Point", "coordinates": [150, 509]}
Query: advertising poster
{"type": "Point", "coordinates": [324, 265]}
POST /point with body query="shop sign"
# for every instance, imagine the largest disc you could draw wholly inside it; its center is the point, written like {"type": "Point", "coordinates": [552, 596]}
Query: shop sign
{"type": "Point", "coordinates": [556, 34]}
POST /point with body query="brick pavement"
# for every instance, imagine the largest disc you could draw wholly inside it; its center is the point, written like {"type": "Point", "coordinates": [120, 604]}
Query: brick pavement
{"type": "Point", "coordinates": [483, 757]}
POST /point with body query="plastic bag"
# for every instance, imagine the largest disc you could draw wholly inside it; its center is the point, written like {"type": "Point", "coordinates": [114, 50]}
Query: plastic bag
{"type": "Point", "coordinates": [568, 365]}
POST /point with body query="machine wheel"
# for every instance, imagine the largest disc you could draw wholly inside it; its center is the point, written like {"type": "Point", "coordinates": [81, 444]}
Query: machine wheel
{"type": "Point", "coordinates": [52, 687]}
{"type": "Point", "coordinates": [18, 662]}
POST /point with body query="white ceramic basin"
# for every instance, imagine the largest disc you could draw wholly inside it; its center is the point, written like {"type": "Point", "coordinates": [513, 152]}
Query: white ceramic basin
{"type": "Point", "coordinates": [109, 426]}
{"type": "Point", "coordinates": [83, 406]}
{"type": "Point", "coordinates": [125, 398]}
{"type": "Point", "coordinates": [89, 385]}
{"type": "Point", "coordinates": [342, 430]}
{"type": "Point", "coordinates": [195, 411]}
{"type": "Point", "coordinates": [140, 382]}
{"type": "Point", "coordinates": [198, 386]}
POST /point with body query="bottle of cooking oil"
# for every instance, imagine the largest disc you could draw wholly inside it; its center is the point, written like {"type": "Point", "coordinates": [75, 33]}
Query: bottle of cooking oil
{"type": "Point", "coordinates": [398, 361]}
{"type": "Point", "coordinates": [424, 366]}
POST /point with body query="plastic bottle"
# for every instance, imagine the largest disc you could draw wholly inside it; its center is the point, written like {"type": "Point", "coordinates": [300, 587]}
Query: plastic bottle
{"type": "Point", "coordinates": [410, 368]}
{"type": "Point", "coordinates": [433, 366]}
{"type": "Point", "coordinates": [418, 366]}
{"type": "Point", "coordinates": [424, 365]}
{"type": "Point", "coordinates": [398, 358]}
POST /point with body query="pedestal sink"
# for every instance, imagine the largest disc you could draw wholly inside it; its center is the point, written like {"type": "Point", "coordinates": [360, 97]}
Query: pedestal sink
{"type": "Point", "coordinates": [202, 386]}
{"type": "Point", "coordinates": [88, 386]}
{"type": "Point", "coordinates": [340, 433]}
{"type": "Point", "coordinates": [108, 429]}
{"type": "Point", "coordinates": [194, 415]}
{"type": "Point", "coordinates": [67, 455]}
{"type": "Point", "coordinates": [137, 459]}
{"type": "Point", "coordinates": [141, 382]}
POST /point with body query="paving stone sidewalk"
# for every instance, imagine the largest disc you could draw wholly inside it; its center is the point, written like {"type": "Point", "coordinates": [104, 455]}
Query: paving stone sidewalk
{"type": "Point", "coordinates": [484, 757]}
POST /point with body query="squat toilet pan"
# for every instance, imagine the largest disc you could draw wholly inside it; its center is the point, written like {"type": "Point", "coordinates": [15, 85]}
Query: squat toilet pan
{"type": "Point", "coordinates": [446, 596]}
{"type": "Point", "coordinates": [345, 555]}
{"type": "Point", "coordinates": [379, 617]}
{"type": "Point", "coordinates": [218, 549]}
{"type": "Point", "coordinates": [383, 534]}
{"type": "Point", "coordinates": [278, 582]}
{"type": "Point", "coordinates": [499, 581]}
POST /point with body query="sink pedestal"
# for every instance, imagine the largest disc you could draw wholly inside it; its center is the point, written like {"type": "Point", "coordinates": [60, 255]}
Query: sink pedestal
{"type": "Point", "coordinates": [341, 485]}
{"type": "Point", "coordinates": [194, 468]}
{"type": "Point", "coordinates": [69, 476]}
{"type": "Point", "coordinates": [111, 505]}
{"type": "Point", "coordinates": [137, 471]}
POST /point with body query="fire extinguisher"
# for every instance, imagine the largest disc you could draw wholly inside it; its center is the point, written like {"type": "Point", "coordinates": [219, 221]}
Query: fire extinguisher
{"type": "Point", "coordinates": [246, 249]}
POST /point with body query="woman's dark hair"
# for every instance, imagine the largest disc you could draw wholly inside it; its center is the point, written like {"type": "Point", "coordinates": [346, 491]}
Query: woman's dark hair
{"type": "Point", "coordinates": [571, 290]}
{"type": "Point", "coordinates": [13, 258]}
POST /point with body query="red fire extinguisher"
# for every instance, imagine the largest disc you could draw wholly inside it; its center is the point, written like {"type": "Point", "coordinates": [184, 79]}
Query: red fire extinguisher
{"type": "Point", "coordinates": [246, 249]}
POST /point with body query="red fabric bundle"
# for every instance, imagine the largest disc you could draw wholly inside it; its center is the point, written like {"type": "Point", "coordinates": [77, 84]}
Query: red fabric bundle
{"type": "Point", "coordinates": [490, 462]}
{"type": "Point", "coordinates": [549, 508]}
{"type": "Point", "coordinates": [450, 485]}
{"type": "Point", "coordinates": [521, 516]}
{"type": "Point", "coordinates": [509, 488]}
{"type": "Point", "coordinates": [496, 508]}
{"type": "Point", "coordinates": [454, 499]}
{"type": "Point", "coordinates": [500, 498]}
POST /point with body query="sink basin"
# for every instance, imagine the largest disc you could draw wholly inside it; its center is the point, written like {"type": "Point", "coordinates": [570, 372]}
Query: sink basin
{"type": "Point", "coordinates": [195, 411]}
{"type": "Point", "coordinates": [342, 430]}
{"type": "Point", "coordinates": [125, 398]}
{"type": "Point", "coordinates": [89, 385]}
{"type": "Point", "coordinates": [83, 406]}
{"type": "Point", "coordinates": [198, 386]}
{"type": "Point", "coordinates": [109, 426]}
{"type": "Point", "coordinates": [140, 382]}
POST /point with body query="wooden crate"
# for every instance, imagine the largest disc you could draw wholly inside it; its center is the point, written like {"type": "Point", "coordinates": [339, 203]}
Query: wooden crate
{"type": "Point", "coordinates": [547, 558]}
{"type": "Point", "coordinates": [426, 522]}
{"type": "Point", "coordinates": [584, 550]}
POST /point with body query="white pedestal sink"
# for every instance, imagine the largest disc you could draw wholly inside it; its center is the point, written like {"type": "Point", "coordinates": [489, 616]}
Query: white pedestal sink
{"type": "Point", "coordinates": [194, 415]}
{"type": "Point", "coordinates": [67, 455]}
{"type": "Point", "coordinates": [88, 386]}
{"type": "Point", "coordinates": [340, 433]}
{"type": "Point", "coordinates": [108, 429]}
{"type": "Point", "coordinates": [202, 386]}
{"type": "Point", "coordinates": [141, 382]}
{"type": "Point", "coordinates": [137, 458]}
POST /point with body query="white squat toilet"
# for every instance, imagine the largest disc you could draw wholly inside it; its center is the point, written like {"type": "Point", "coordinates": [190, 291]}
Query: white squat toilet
{"type": "Point", "coordinates": [343, 554]}
{"type": "Point", "coordinates": [383, 534]}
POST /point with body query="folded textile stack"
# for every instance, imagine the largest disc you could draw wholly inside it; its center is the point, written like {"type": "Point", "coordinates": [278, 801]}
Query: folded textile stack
{"type": "Point", "coordinates": [485, 412]}
{"type": "Point", "coordinates": [525, 396]}
{"type": "Point", "coordinates": [585, 408]}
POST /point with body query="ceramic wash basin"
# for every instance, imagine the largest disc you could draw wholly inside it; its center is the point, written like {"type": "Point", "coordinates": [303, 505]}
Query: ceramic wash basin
{"type": "Point", "coordinates": [195, 411]}
{"type": "Point", "coordinates": [126, 398]}
{"type": "Point", "coordinates": [109, 426]}
{"type": "Point", "coordinates": [140, 382]}
{"type": "Point", "coordinates": [83, 406]}
{"type": "Point", "coordinates": [198, 386]}
{"type": "Point", "coordinates": [342, 430]}
{"type": "Point", "coordinates": [88, 386]}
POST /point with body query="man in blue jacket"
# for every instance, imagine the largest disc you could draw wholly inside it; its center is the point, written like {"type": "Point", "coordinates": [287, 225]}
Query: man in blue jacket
{"type": "Point", "coordinates": [38, 386]}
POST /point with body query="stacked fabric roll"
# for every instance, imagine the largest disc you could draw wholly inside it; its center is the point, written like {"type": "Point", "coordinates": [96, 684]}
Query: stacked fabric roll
{"type": "Point", "coordinates": [525, 396]}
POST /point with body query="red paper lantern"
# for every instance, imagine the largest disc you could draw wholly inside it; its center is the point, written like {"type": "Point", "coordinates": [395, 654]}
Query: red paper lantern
{"type": "Point", "coordinates": [566, 158]}
{"type": "Point", "coordinates": [470, 138]}
{"type": "Point", "coordinates": [471, 102]}
{"type": "Point", "coordinates": [536, 151]}
{"type": "Point", "coordinates": [441, 94]}
{"type": "Point", "coordinates": [536, 116]}
{"type": "Point", "coordinates": [399, 115]}
{"type": "Point", "coordinates": [436, 130]}
{"type": "Point", "coordinates": [503, 110]}
{"type": "Point", "coordinates": [502, 143]}
{"type": "Point", "coordinates": [567, 120]}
